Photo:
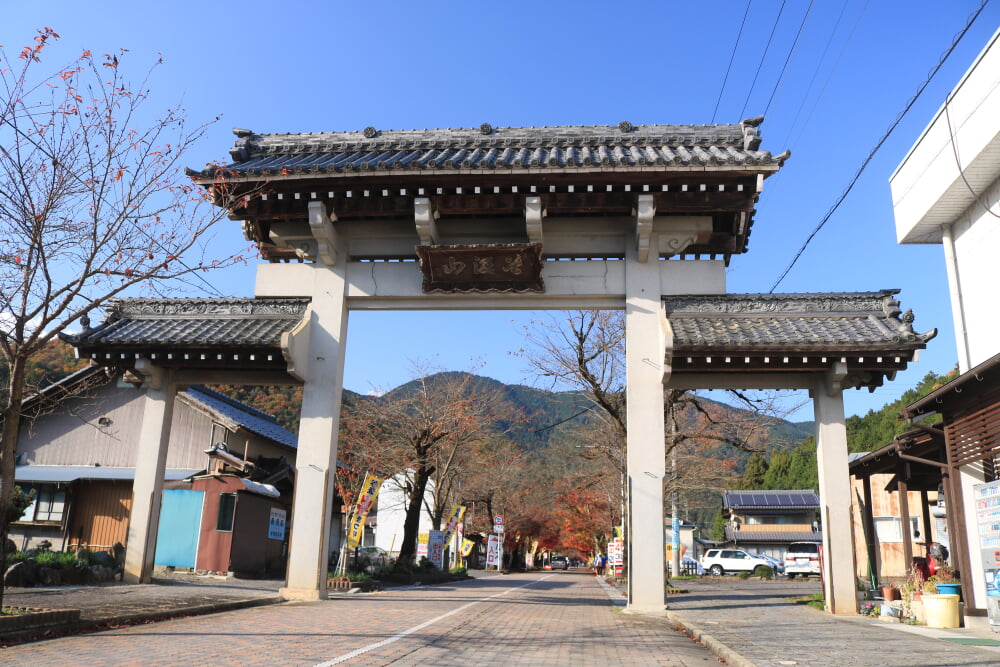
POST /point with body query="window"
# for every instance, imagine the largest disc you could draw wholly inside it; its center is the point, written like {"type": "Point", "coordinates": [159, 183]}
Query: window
{"type": "Point", "coordinates": [890, 529]}
{"type": "Point", "coordinates": [227, 511]}
{"type": "Point", "coordinates": [49, 505]}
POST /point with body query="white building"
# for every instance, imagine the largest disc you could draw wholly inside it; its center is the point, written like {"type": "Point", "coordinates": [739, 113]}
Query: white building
{"type": "Point", "coordinates": [947, 191]}
{"type": "Point", "coordinates": [391, 513]}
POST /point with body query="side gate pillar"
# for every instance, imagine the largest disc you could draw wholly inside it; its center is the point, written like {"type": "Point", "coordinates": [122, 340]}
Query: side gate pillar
{"type": "Point", "coordinates": [150, 465]}
{"type": "Point", "coordinates": [834, 493]}
{"type": "Point", "coordinates": [646, 448]}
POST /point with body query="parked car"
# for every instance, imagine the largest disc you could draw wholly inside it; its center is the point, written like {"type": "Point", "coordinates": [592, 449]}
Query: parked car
{"type": "Point", "coordinates": [721, 561]}
{"type": "Point", "coordinates": [689, 567]}
{"type": "Point", "coordinates": [776, 565]}
{"type": "Point", "coordinates": [802, 558]}
{"type": "Point", "coordinates": [559, 563]}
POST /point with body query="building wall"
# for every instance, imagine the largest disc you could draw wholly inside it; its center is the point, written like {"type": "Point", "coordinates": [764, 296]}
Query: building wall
{"type": "Point", "coordinates": [391, 514]}
{"type": "Point", "coordinates": [99, 513]}
{"type": "Point", "coordinates": [101, 429]}
{"type": "Point", "coordinates": [977, 239]}
{"type": "Point", "coordinates": [885, 505]}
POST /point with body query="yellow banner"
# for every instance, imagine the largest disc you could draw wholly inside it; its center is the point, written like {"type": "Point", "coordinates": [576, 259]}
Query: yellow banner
{"type": "Point", "coordinates": [369, 492]}
{"type": "Point", "coordinates": [455, 518]}
{"type": "Point", "coordinates": [467, 548]}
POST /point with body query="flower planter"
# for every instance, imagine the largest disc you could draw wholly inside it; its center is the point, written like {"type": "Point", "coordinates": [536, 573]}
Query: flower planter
{"type": "Point", "coordinates": [941, 611]}
{"type": "Point", "coordinates": [948, 589]}
{"type": "Point", "coordinates": [890, 593]}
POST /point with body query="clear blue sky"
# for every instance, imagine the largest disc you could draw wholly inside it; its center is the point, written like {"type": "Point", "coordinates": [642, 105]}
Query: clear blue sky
{"type": "Point", "coordinates": [317, 66]}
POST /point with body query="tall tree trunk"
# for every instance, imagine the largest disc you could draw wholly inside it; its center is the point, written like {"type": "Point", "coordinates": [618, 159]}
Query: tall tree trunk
{"type": "Point", "coordinates": [411, 525]}
{"type": "Point", "coordinates": [11, 425]}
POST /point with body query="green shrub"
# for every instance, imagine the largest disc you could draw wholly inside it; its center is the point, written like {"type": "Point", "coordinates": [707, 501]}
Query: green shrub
{"type": "Point", "coordinates": [359, 576]}
{"type": "Point", "coordinates": [459, 570]}
{"type": "Point", "coordinates": [16, 557]}
{"type": "Point", "coordinates": [743, 575]}
{"type": "Point", "coordinates": [56, 560]}
{"type": "Point", "coordinates": [764, 572]}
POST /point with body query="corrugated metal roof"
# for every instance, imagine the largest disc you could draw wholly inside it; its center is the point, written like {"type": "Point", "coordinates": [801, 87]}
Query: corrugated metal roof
{"type": "Point", "coordinates": [243, 415]}
{"type": "Point", "coordinates": [51, 474]}
{"type": "Point", "coordinates": [509, 148]}
{"type": "Point", "coordinates": [748, 321]}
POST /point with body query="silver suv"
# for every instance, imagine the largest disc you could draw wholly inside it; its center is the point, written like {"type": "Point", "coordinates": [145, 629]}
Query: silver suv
{"type": "Point", "coordinates": [802, 558]}
{"type": "Point", "coordinates": [720, 561]}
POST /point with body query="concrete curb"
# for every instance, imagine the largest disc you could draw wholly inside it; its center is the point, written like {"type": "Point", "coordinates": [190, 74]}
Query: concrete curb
{"type": "Point", "coordinates": [101, 624]}
{"type": "Point", "coordinates": [717, 648]}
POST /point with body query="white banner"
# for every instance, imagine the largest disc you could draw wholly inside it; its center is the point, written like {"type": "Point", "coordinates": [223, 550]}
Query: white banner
{"type": "Point", "coordinates": [493, 556]}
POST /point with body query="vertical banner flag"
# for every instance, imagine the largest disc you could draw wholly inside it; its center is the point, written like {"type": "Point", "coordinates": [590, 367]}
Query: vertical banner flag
{"type": "Point", "coordinates": [493, 555]}
{"type": "Point", "coordinates": [423, 539]}
{"type": "Point", "coordinates": [467, 545]}
{"type": "Point", "coordinates": [455, 518]}
{"type": "Point", "coordinates": [365, 501]}
{"type": "Point", "coordinates": [435, 548]}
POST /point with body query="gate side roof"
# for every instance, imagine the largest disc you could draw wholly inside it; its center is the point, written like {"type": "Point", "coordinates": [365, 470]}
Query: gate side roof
{"type": "Point", "coordinates": [210, 332]}
{"type": "Point", "coordinates": [793, 333]}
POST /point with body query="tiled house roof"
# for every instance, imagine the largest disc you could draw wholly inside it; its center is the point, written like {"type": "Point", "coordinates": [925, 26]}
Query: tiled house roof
{"type": "Point", "coordinates": [242, 415]}
{"type": "Point", "coordinates": [602, 147]}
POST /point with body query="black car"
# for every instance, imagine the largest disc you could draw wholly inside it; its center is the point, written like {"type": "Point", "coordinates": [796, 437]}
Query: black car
{"type": "Point", "coordinates": [559, 563]}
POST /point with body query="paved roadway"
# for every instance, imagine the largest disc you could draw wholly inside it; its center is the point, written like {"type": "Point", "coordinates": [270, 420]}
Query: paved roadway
{"type": "Point", "coordinates": [541, 618]}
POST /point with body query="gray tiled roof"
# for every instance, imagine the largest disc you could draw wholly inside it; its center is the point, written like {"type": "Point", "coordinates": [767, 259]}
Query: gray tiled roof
{"type": "Point", "coordinates": [771, 536]}
{"type": "Point", "coordinates": [486, 148]}
{"type": "Point", "coordinates": [243, 415]}
{"type": "Point", "coordinates": [860, 320]}
{"type": "Point", "coordinates": [194, 323]}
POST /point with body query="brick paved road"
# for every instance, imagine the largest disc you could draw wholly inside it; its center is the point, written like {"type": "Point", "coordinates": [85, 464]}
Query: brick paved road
{"type": "Point", "coordinates": [557, 618]}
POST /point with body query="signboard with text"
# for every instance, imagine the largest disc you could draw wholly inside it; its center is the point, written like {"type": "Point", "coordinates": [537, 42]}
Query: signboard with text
{"type": "Point", "coordinates": [493, 555]}
{"type": "Point", "coordinates": [435, 548]}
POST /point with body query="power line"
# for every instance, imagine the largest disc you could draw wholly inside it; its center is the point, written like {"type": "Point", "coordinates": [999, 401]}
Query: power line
{"type": "Point", "coordinates": [958, 161]}
{"type": "Point", "coordinates": [731, 59]}
{"type": "Point", "coordinates": [763, 56]}
{"type": "Point", "coordinates": [788, 58]}
{"type": "Point", "coordinates": [892, 127]}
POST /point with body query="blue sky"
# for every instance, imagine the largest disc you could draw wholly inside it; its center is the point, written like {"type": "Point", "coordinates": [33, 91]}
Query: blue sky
{"type": "Point", "coordinates": [302, 66]}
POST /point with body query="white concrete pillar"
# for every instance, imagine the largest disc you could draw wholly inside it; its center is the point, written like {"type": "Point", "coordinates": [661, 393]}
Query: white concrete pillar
{"type": "Point", "coordinates": [646, 450]}
{"type": "Point", "coordinates": [150, 465]}
{"type": "Point", "coordinates": [322, 366]}
{"type": "Point", "coordinates": [835, 498]}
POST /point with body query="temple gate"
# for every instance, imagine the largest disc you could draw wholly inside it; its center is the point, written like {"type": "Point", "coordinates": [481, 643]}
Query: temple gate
{"type": "Point", "coordinates": [643, 219]}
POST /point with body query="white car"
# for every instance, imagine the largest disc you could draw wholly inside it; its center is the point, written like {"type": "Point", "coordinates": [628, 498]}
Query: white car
{"type": "Point", "coordinates": [721, 561]}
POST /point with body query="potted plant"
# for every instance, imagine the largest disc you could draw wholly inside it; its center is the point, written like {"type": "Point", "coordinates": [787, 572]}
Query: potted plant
{"type": "Point", "coordinates": [890, 591]}
{"type": "Point", "coordinates": [945, 580]}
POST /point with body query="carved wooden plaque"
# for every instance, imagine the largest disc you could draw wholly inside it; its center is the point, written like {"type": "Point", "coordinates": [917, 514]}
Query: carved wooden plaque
{"type": "Point", "coordinates": [509, 267]}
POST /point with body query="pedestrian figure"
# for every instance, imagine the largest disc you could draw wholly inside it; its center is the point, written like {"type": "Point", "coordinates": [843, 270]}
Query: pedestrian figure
{"type": "Point", "coordinates": [602, 561]}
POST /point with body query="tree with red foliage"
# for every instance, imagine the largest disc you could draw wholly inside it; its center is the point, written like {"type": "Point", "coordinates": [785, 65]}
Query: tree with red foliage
{"type": "Point", "coordinates": [93, 202]}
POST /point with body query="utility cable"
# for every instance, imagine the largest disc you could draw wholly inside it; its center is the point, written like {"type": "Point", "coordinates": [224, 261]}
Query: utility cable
{"type": "Point", "coordinates": [958, 161]}
{"type": "Point", "coordinates": [788, 58]}
{"type": "Point", "coordinates": [763, 56]}
{"type": "Point", "coordinates": [850, 186]}
{"type": "Point", "coordinates": [732, 57]}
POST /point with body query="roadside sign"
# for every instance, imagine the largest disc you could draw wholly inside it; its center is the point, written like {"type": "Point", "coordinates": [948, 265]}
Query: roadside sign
{"type": "Point", "coordinates": [498, 528]}
{"type": "Point", "coordinates": [498, 520]}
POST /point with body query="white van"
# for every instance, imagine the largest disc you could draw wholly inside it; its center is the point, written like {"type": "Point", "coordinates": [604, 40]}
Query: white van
{"type": "Point", "coordinates": [802, 558]}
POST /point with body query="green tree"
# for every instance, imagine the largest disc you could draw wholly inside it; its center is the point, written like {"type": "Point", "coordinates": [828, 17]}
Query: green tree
{"type": "Point", "coordinates": [754, 473]}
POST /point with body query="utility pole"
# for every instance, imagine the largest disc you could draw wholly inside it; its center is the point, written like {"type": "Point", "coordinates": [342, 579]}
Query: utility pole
{"type": "Point", "coordinates": [675, 522]}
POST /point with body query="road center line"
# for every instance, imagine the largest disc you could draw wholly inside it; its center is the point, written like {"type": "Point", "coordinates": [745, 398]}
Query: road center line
{"type": "Point", "coordinates": [395, 638]}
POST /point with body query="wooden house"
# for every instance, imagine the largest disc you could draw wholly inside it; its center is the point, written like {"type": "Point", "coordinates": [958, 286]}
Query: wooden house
{"type": "Point", "coordinates": [77, 451]}
{"type": "Point", "coordinates": [767, 522]}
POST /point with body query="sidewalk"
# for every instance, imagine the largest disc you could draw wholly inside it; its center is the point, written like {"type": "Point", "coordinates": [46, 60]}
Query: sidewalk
{"type": "Point", "coordinates": [750, 622]}
{"type": "Point", "coordinates": [111, 605]}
